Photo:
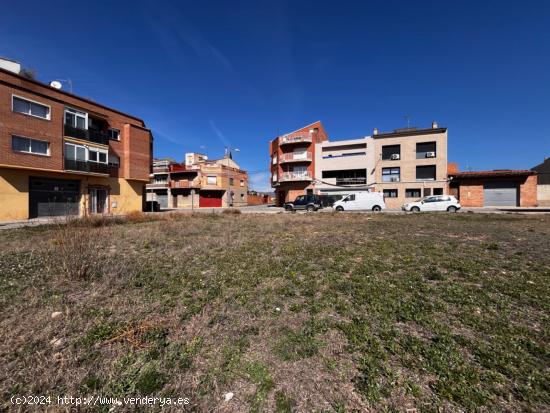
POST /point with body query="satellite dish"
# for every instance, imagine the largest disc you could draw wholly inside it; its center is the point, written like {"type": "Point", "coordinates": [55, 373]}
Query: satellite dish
{"type": "Point", "coordinates": [55, 84]}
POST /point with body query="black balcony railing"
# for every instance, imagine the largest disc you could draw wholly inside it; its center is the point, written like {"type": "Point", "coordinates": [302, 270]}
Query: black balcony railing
{"type": "Point", "coordinates": [84, 166]}
{"type": "Point", "coordinates": [86, 134]}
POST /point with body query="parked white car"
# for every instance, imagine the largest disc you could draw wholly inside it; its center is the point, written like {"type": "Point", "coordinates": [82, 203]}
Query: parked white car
{"type": "Point", "coordinates": [361, 201]}
{"type": "Point", "coordinates": [433, 203]}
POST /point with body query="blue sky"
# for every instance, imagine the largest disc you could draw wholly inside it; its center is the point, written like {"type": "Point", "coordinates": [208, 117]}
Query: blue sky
{"type": "Point", "coordinates": [204, 75]}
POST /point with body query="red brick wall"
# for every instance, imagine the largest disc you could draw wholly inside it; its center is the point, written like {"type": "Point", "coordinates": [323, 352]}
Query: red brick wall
{"type": "Point", "coordinates": [528, 192]}
{"type": "Point", "coordinates": [134, 149]}
{"type": "Point", "coordinates": [257, 199]}
{"type": "Point", "coordinates": [471, 191]}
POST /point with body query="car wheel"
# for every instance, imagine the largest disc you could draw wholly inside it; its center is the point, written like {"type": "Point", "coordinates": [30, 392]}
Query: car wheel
{"type": "Point", "coordinates": [415, 209]}
{"type": "Point", "coordinates": [376, 208]}
{"type": "Point", "coordinates": [339, 208]}
{"type": "Point", "coordinates": [451, 209]}
{"type": "Point", "coordinates": [310, 208]}
{"type": "Point", "coordinates": [289, 208]}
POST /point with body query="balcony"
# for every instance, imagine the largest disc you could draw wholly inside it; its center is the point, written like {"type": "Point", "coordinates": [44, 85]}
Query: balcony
{"type": "Point", "coordinates": [351, 181]}
{"type": "Point", "coordinates": [86, 134]}
{"type": "Point", "coordinates": [295, 176]}
{"type": "Point", "coordinates": [293, 157]}
{"type": "Point", "coordinates": [295, 138]}
{"type": "Point", "coordinates": [85, 166]}
{"type": "Point", "coordinates": [161, 169]}
{"type": "Point", "coordinates": [184, 183]}
{"type": "Point", "coordinates": [157, 185]}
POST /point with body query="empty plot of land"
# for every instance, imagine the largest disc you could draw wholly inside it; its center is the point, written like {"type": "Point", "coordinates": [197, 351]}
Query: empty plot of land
{"type": "Point", "coordinates": [303, 313]}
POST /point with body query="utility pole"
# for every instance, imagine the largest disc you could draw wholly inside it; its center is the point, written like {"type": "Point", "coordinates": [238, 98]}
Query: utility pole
{"type": "Point", "coordinates": [228, 150]}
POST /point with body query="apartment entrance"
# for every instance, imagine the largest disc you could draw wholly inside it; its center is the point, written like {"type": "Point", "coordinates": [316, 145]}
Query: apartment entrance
{"type": "Point", "coordinates": [98, 200]}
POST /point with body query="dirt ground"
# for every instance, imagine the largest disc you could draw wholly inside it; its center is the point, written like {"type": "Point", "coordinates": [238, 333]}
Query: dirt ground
{"type": "Point", "coordinates": [317, 312]}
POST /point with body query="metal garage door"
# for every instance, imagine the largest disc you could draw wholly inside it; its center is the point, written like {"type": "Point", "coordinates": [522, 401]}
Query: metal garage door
{"type": "Point", "coordinates": [500, 194]}
{"type": "Point", "coordinates": [162, 199]}
{"type": "Point", "coordinates": [53, 197]}
{"type": "Point", "coordinates": [210, 199]}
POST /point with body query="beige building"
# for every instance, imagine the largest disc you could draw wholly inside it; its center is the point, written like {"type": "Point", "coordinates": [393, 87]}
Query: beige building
{"type": "Point", "coordinates": [409, 163]}
{"type": "Point", "coordinates": [198, 182]}
{"type": "Point", "coordinates": [341, 166]}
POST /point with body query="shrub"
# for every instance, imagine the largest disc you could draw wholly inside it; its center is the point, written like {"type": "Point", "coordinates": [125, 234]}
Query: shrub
{"type": "Point", "coordinates": [231, 211]}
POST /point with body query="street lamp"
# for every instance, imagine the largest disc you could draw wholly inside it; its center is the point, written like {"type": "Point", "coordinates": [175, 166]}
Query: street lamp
{"type": "Point", "coordinates": [228, 150]}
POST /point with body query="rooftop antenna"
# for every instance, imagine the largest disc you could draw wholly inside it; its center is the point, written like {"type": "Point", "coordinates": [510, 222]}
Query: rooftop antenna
{"type": "Point", "coordinates": [408, 119]}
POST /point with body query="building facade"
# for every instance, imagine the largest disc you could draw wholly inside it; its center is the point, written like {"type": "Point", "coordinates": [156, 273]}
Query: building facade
{"type": "Point", "coordinates": [498, 188]}
{"type": "Point", "coordinates": [409, 163]}
{"type": "Point", "coordinates": [61, 154]}
{"type": "Point", "coordinates": [292, 161]}
{"type": "Point", "coordinates": [342, 166]}
{"type": "Point", "coordinates": [543, 182]}
{"type": "Point", "coordinates": [404, 164]}
{"type": "Point", "coordinates": [198, 182]}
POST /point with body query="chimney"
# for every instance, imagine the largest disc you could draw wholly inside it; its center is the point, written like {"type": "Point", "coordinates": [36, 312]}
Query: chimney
{"type": "Point", "coordinates": [375, 131]}
{"type": "Point", "coordinates": [11, 65]}
{"type": "Point", "coordinates": [434, 125]}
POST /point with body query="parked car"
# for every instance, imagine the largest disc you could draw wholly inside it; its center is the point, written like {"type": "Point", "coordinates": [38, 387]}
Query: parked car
{"type": "Point", "coordinates": [433, 203]}
{"type": "Point", "coordinates": [373, 201]}
{"type": "Point", "coordinates": [308, 203]}
{"type": "Point", "coordinates": [329, 200]}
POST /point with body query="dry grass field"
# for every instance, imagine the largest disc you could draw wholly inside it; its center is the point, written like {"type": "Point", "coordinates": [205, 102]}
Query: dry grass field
{"type": "Point", "coordinates": [313, 312]}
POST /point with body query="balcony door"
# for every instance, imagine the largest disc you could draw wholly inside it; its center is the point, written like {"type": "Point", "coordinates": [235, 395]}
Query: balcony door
{"type": "Point", "coordinates": [299, 170]}
{"type": "Point", "coordinates": [98, 200]}
{"type": "Point", "coordinates": [300, 153]}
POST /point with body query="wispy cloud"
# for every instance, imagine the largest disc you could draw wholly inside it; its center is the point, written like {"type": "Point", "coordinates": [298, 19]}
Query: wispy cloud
{"type": "Point", "coordinates": [175, 34]}
{"type": "Point", "coordinates": [219, 133]}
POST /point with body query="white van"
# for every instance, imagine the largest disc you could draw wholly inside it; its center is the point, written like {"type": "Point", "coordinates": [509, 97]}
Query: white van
{"type": "Point", "coordinates": [361, 201]}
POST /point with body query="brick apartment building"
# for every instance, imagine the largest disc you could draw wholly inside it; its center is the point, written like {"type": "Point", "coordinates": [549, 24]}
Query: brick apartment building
{"type": "Point", "coordinates": [409, 163]}
{"type": "Point", "coordinates": [293, 161]}
{"type": "Point", "coordinates": [404, 164]}
{"type": "Point", "coordinates": [65, 155]}
{"type": "Point", "coordinates": [198, 182]}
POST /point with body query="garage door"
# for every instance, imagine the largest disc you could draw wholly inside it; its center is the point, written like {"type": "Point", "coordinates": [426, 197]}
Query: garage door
{"type": "Point", "coordinates": [53, 197]}
{"type": "Point", "coordinates": [162, 199]}
{"type": "Point", "coordinates": [500, 194]}
{"type": "Point", "coordinates": [210, 199]}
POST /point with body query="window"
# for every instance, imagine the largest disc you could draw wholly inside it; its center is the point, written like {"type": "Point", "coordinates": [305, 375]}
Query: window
{"type": "Point", "coordinates": [413, 193]}
{"type": "Point", "coordinates": [76, 119]}
{"type": "Point", "coordinates": [242, 182]}
{"type": "Point", "coordinates": [351, 197]}
{"type": "Point", "coordinates": [391, 174]}
{"type": "Point", "coordinates": [347, 176]}
{"type": "Point", "coordinates": [114, 134]}
{"type": "Point", "coordinates": [211, 180]}
{"type": "Point", "coordinates": [438, 191]}
{"type": "Point", "coordinates": [230, 181]}
{"type": "Point", "coordinates": [75, 152]}
{"type": "Point", "coordinates": [425, 173]}
{"type": "Point", "coordinates": [427, 191]}
{"type": "Point", "coordinates": [242, 196]}
{"type": "Point", "coordinates": [425, 150]}
{"type": "Point", "coordinates": [28, 107]}
{"type": "Point", "coordinates": [95, 155]}
{"type": "Point", "coordinates": [114, 160]}
{"type": "Point", "coordinates": [390, 193]}
{"type": "Point", "coordinates": [28, 145]}
{"type": "Point", "coordinates": [431, 199]}
{"type": "Point", "coordinates": [391, 152]}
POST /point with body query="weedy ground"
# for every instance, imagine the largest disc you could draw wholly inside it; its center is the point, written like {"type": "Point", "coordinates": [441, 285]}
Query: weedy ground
{"type": "Point", "coordinates": [315, 312]}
